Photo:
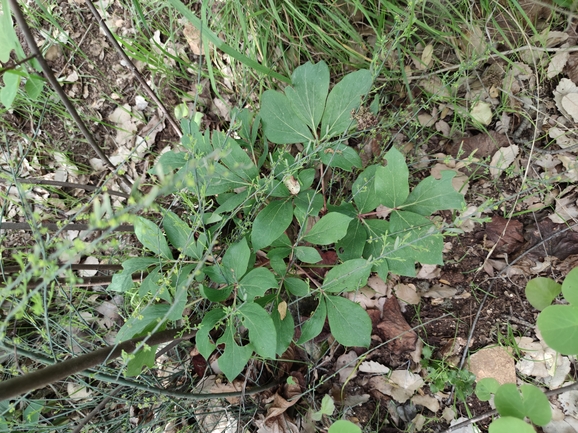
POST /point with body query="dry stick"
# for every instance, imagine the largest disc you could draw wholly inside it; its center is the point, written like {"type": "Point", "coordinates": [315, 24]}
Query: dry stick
{"type": "Point", "coordinates": [114, 392]}
{"type": "Point", "coordinates": [133, 68]}
{"type": "Point", "coordinates": [54, 227]}
{"type": "Point", "coordinates": [61, 370]}
{"type": "Point", "coordinates": [471, 333]}
{"type": "Point", "coordinates": [63, 184]}
{"type": "Point", "coordinates": [58, 89]}
{"type": "Point", "coordinates": [74, 267]}
{"type": "Point", "coordinates": [53, 373]}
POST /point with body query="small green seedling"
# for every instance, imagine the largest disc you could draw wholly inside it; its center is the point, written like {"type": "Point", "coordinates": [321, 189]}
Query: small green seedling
{"type": "Point", "coordinates": [514, 405]}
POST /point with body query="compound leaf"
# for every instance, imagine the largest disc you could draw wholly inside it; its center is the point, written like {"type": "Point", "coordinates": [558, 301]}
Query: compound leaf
{"type": "Point", "coordinates": [344, 98]}
{"type": "Point", "coordinates": [309, 91]}
{"type": "Point", "coordinates": [281, 124]}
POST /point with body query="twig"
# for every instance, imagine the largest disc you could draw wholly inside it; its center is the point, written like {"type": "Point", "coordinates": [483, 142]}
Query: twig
{"type": "Point", "coordinates": [58, 89]}
{"type": "Point", "coordinates": [63, 184]}
{"type": "Point", "coordinates": [115, 391]}
{"type": "Point", "coordinates": [133, 68]}
{"type": "Point", "coordinates": [80, 365]}
{"type": "Point", "coordinates": [54, 227]}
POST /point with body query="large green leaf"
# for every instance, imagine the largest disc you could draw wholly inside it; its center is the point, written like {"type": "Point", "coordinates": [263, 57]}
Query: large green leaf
{"type": "Point", "coordinates": [309, 91]}
{"type": "Point", "coordinates": [144, 357]}
{"type": "Point", "coordinates": [341, 156]}
{"type": "Point", "coordinates": [414, 238]}
{"type": "Point", "coordinates": [343, 426]}
{"type": "Point", "coordinates": [152, 314]}
{"type": "Point", "coordinates": [236, 259]}
{"type": "Point", "coordinates": [344, 98]}
{"type": "Point", "coordinates": [271, 222]}
{"type": "Point", "coordinates": [541, 291]}
{"type": "Point", "coordinates": [210, 319]}
{"type": "Point", "coordinates": [308, 254]}
{"type": "Point", "coordinates": [531, 403]}
{"type": "Point", "coordinates": [10, 90]}
{"type": "Point", "coordinates": [151, 237]}
{"type": "Point", "coordinates": [235, 357]}
{"type": "Point", "coordinates": [558, 325]}
{"type": "Point", "coordinates": [570, 287]}
{"type": "Point", "coordinates": [348, 276]}
{"type": "Point", "coordinates": [179, 234]}
{"type": "Point", "coordinates": [285, 330]}
{"type": "Point", "coordinates": [255, 283]}
{"type": "Point", "coordinates": [391, 181]}
{"type": "Point", "coordinates": [351, 246]}
{"type": "Point", "coordinates": [296, 286]}
{"type": "Point", "coordinates": [329, 229]}
{"type": "Point", "coordinates": [431, 195]}
{"type": "Point", "coordinates": [510, 424]}
{"type": "Point", "coordinates": [235, 158]}
{"type": "Point", "coordinates": [281, 124]}
{"type": "Point", "coordinates": [348, 321]}
{"type": "Point", "coordinates": [312, 327]}
{"type": "Point", "coordinates": [262, 332]}
{"type": "Point", "coordinates": [363, 190]}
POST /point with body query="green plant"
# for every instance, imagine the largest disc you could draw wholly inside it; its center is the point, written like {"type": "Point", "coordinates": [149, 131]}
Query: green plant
{"type": "Point", "coordinates": [558, 324]}
{"type": "Point", "coordinates": [441, 375]}
{"type": "Point", "coordinates": [220, 177]}
{"type": "Point", "coordinates": [514, 405]}
{"type": "Point", "coordinates": [12, 77]}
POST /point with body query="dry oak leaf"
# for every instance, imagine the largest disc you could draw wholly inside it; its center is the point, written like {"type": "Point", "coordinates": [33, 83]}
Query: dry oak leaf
{"type": "Point", "coordinates": [507, 234]}
{"type": "Point", "coordinates": [394, 327]}
{"type": "Point", "coordinates": [484, 145]}
{"type": "Point", "coordinates": [560, 244]}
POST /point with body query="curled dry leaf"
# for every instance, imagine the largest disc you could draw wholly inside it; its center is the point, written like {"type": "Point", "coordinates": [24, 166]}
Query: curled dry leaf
{"type": "Point", "coordinates": [507, 234]}
{"type": "Point", "coordinates": [502, 159]}
{"type": "Point", "coordinates": [345, 364]}
{"type": "Point", "coordinates": [401, 385]}
{"type": "Point", "coordinates": [407, 293]}
{"type": "Point", "coordinates": [560, 243]}
{"type": "Point", "coordinates": [394, 327]}
{"type": "Point", "coordinates": [483, 145]}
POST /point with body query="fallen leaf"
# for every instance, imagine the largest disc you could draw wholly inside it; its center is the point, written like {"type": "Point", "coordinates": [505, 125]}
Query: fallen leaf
{"type": "Point", "coordinates": [502, 159]}
{"type": "Point", "coordinates": [345, 364]}
{"type": "Point", "coordinates": [407, 293]}
{"type": "Point", "coordinates": [482, 112]}
{"type": "Point", "coordinates": [401, 385]}
{"type": "Point", "coordinates": [440, 291]}
{"type": "Point", "coordinates": [394, 327]}
{"type": "Point", "coordinates": [557, 64]}
{"type": "Point", "coordinates": [373, 367]}
{"type": "Point", "coordinates": [482, 145]}
{"type": "Point", "coordinates": [431, 403]}
{"type": "Point", "coordinates": [507, 234]}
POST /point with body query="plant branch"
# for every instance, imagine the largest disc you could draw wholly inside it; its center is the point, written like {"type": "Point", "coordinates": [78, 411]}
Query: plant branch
{"type": "Point", "coordinates": [63, 184]}
{"type": "Point", "coordinates": [61, 370]}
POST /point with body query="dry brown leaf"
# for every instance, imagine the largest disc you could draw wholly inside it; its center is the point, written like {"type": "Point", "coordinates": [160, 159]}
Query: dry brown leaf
{"type": "Point", "coordinates": [394, 327]}
{"type": "Point", "coordinates": [507, 234]}
{"type": "Point", "coordinates": [483, 145]}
